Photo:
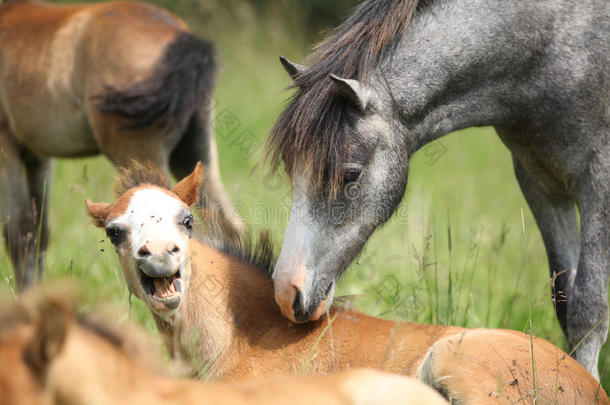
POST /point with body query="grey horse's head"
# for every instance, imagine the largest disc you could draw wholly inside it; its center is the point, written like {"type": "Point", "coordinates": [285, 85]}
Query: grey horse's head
{"type": "Point", "coordinates": [345, 183]}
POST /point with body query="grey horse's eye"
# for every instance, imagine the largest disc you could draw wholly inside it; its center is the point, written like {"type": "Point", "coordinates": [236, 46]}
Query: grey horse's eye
{"type": "Point", "coordinates": [351, 174]}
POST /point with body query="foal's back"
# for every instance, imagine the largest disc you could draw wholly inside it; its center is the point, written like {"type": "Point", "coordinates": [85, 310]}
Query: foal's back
{"type": "Point", "coordinates": [473, 366]}
{"type": "Point", "coordinates": [470, 366]}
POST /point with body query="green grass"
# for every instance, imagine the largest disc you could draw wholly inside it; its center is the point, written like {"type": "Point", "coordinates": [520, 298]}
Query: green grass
{"type": "Point", "coordinates": [456, 253]}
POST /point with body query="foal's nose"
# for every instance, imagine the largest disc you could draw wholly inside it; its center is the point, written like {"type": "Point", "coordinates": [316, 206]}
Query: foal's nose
{"type": "Point", "coordinates": [159, 258]}
{"type": "Point", "coordinates": [157, 248]}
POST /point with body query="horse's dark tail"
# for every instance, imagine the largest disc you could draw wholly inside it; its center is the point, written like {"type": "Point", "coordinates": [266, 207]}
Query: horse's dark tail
{"type": "Point", "coordinates": [182, 82]}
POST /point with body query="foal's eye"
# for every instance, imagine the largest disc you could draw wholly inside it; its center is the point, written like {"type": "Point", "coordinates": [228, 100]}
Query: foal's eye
{"type": "Point", "coordinates": [351, 174]}
{"type": "Point", "coordinates": [116, 234]}
{"type": "Point", "coordinates": [188, 222]}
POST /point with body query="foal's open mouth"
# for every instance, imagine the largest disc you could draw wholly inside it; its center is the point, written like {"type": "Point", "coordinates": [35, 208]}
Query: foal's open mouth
{"type": "Point", "coordinates": [164, 292]}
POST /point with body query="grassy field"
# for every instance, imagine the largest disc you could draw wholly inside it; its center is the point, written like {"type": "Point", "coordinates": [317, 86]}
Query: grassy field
{"type": "Point", "coordinates": [464, 248]}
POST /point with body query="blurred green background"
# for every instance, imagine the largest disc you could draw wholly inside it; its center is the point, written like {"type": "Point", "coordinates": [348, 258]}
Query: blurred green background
{"type": "Point", "coordinates": [463, 249]}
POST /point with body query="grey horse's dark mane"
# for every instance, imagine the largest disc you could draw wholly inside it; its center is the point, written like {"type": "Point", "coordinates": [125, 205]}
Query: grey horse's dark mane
{"type": "Point", "coordinates": [316, 128]}
{"type": "Point", "coordinates": [215, 232]}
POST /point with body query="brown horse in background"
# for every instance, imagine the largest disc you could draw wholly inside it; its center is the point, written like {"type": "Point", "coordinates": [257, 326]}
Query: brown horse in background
{"type": "Point", "coordinates": [212, 299]}
{"type": "Point", "coordinates": [52, 355]}
{"type": "Point", "coordinates": [124, 79]}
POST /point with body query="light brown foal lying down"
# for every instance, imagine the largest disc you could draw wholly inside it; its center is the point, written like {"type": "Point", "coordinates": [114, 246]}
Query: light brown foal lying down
{"type": "Point", "coordinates": [214, 297]}
{"type": "Point", "coordinates": [51, 355]}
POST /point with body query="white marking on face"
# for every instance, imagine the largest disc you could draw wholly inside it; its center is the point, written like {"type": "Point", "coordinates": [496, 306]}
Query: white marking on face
{"type": "Point", "coordinates": [296, 247]}
{"type": "Point", "coordinates": [151, 215]}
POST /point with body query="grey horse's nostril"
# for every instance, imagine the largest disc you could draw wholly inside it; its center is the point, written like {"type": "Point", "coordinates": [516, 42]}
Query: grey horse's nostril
{"type": "Point", "coordinates": [301, 314]}
{"type": "Point", "coordinates": [175, 249]}
{"type": "Point", "coordinates": [296, 304]}
{"type": "Point", "coordinates": [143, 252]}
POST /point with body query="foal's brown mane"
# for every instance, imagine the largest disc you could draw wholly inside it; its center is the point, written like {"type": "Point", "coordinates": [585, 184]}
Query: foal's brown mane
{"type": "Point", "coordinates": [137, 174]}
{"type": "Point", "coordinates": [255, 251]}
{"type": "Point", "coordinates": [316, 128]}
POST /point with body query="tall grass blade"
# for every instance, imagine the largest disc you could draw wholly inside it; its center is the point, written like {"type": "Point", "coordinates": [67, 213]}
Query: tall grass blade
{"type": "Point", "coordinates": [39, 232]}
{"type": "Point", "coordinates": [449, 274]}
{"type": "Point", "coordinates": [529, 304]}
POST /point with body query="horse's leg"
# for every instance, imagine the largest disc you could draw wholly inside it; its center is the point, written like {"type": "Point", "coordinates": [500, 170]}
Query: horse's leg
{"type": "Point", "coordinates": [198, 144]}
{"type": "Point", "coordinates": [17, 209]}
{"type": "Point", "coordinates": [39, 175]}
{"type": "Point", "coordinates": [556, 218]}
{"type": "Point", "coordinates": [588, 300]}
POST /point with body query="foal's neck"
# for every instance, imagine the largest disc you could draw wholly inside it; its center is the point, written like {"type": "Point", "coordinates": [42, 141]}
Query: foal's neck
{"type": "Point", "coordinates": [228, 302]}
{"type": "Point", "coordinates": [239, 332]}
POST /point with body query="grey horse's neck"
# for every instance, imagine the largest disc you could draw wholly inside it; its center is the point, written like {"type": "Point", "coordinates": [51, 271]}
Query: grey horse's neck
{"type": "Point", "coordinates": [497, 72]}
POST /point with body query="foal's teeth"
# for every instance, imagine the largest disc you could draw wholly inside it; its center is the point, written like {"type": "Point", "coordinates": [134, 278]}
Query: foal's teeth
{"type": "Point", "coordinates": [178, 285]}
{"type": "Point", "coordinates": [166, 287]}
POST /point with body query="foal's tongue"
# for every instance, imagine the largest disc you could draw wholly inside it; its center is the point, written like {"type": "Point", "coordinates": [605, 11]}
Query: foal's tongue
{"type": "Point", "coordinates": [164, 286]}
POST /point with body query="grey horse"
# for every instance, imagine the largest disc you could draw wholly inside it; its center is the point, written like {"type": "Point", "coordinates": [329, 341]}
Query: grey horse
{"type": "Point", "coordinates": [399, 74]}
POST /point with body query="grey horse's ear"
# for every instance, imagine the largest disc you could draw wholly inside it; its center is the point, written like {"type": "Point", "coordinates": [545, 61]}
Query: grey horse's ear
{"type": "Point", "coordinates": [352, 90]}
{"type": "Point", "coordinates": [293, 69]}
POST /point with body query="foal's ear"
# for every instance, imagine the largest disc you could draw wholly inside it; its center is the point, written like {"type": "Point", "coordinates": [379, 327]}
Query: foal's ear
{"type": "Point", "coordinates": [50, 336]}
{"type": "Point", "coordinates": [352, 90]}
{"type": "Point", "coordinates": [188, 188]}
{"type": "Point", "coordinates": [293, 69]}
{"type": "Point", "coordinates": [98, 212]}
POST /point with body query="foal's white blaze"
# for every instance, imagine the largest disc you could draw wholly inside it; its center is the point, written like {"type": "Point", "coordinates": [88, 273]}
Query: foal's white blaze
{"type": "Point", "coordinates": [151, 219]}
{"type": "Point", "coordinates": [151, 216]}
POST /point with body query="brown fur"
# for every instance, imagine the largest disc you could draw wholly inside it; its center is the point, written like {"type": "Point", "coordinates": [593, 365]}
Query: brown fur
{"type": "Point", "coordinates": [70, 80]}
{"type": "Point", "coordinates": [125, 79]}
{"type": "Point", "coordinates": [228, 320]}
{"type": "Point", "coordinates": [315, 128]}
{"type": "Point", "coordinates": [57, 340]}
{"type": "Point", "coordinates": [557, 379]}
